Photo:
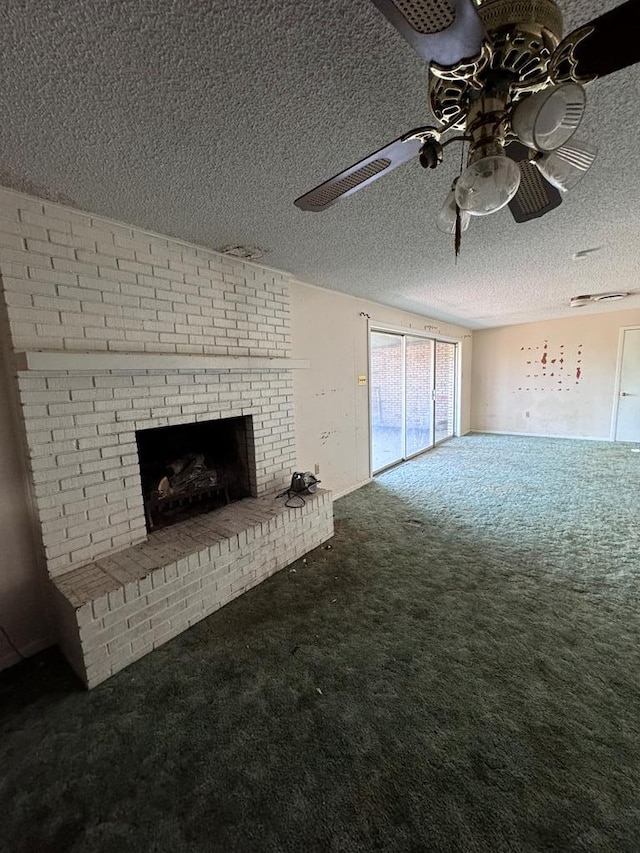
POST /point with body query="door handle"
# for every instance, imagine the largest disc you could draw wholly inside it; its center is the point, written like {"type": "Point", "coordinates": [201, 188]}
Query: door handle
{"type": "Point", "coordinates": [625, 394]}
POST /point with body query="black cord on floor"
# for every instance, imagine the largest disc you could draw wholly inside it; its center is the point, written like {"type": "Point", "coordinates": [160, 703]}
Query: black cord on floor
{"type": "Point", "coordinates": [14, 647]}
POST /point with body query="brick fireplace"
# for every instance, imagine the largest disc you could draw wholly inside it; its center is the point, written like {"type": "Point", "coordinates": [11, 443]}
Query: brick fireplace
{"type": "Point", "coordinates": [118, 335]}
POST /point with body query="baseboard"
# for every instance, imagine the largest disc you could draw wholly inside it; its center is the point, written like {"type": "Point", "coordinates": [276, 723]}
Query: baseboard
{"type": "Point", "coordinates": [538, 435]}
{"type": "Point", "coordinates": [349, 489]}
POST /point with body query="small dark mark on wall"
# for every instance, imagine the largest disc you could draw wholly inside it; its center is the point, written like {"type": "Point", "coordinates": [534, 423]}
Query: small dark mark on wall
{"type": "Point", "coordinates": [326, 435]}
{"type": "Point", "coordinates": [364, 314]}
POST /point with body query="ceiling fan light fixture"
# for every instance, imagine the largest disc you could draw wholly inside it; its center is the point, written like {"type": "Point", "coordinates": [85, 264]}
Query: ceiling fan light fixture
{"type": "Point", "coordinates": [568, 165]}
{"type": "Point", "coordinates": [446, 221]}
{"type": "Point", "coordinates": [548, 119]}
{"type": "Point", "coordinates": [487, 185]}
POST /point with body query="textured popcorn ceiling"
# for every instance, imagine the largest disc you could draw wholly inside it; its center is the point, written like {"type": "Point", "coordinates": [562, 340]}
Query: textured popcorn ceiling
{"type": "Point", "coordinates": [204, 120]}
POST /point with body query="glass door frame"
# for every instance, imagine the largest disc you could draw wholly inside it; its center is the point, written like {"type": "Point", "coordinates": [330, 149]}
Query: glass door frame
{"type": "Point", "coordinates": [405, 332]}
{"type": "Point", "coordinates": [403, 399]}
{"type": "Point", "coordinates": [456, 385]}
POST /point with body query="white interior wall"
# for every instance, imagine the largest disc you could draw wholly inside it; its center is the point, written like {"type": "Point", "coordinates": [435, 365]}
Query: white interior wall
{"type": "Point", "coordinates": [22, 611]}
{"type": "Point", "coordinates": [331, 409]}
{"type": "Point", "coordinates": [510, 395]}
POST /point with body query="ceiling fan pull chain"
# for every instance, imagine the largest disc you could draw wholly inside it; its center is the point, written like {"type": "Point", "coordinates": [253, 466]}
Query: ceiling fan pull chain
{"type": "Point", "coordinates": [458, 237]}
{"type": "Point", "coordinates": [458, 232]}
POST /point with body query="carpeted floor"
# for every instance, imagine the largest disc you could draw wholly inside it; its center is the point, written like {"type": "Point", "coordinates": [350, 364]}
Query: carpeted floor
{"type": "Point", "coordinates": [460, 671]}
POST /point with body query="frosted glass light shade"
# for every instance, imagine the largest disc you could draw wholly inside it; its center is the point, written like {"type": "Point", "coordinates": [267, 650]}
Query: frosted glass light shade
{"type": "Point", "coordinates": [566, 166]}
{"type": "Point", "coordinates": [446, 220]}
{"type": "Point", "coordinates": [549, 118]}
{"type": "Point", "coordinates": [487, 185]}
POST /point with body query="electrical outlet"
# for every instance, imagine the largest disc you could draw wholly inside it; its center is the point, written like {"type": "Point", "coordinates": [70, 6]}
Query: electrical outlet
{"type": "Point", "coordinates": [317, 468]}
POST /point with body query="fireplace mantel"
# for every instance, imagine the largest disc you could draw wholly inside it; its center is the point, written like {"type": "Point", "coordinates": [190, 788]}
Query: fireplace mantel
{"type": "Point", "coordinates": [96, 362]}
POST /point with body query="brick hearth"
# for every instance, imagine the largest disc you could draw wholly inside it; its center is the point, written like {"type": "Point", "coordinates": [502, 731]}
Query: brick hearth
{"type": "Point", "coordinates": [119, 608]}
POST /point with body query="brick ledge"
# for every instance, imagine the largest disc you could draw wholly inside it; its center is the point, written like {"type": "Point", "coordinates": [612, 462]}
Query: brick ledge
{"type": "Point", "coordinates": [230, 527]}
{"type": "Point", "coordinates": [54, 360]}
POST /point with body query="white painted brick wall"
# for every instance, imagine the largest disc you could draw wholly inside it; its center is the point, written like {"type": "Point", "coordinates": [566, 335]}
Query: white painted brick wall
{"type": "Point", "coordinates": [73, 281]}
{"type": "Point", "coordinates": [79, 282]}
{"type": "Point", "coordinates": [83, 461]}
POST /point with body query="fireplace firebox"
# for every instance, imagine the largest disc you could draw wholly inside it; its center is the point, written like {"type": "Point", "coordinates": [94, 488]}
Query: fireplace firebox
{"type": "Point", "coordinates": [194, 468]}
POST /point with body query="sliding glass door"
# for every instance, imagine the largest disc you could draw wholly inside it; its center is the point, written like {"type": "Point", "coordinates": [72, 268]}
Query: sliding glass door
{"type": "Point", "coordinates": [412, 387]}
{"type": "Point", "coordinates": [445, 389]}
{"type": "Point", "coordinates": [418, 394]}
{"type": "Point", "coordinates": [387, 399]}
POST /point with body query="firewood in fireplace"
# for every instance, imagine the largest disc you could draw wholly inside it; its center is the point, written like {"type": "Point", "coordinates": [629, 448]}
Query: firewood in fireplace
{"type": "Point", "coordinates": [187, 474]}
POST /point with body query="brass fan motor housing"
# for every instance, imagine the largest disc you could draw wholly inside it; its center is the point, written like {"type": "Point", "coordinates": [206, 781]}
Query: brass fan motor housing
{"type": "Point", "coordinates": [542, 14]}
{"type": "Point", "coordinates": [523, 36]}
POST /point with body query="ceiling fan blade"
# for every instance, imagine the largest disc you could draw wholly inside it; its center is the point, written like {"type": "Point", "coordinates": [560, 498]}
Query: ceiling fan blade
{"type": "Point", "coordinates": [603, 46]}
{"type": "Point", "coordinates": [535, 196]}
{"type": "Point", "coordinates": [442, 31]}
{"type": "Point", "coordinates": [362, 173]}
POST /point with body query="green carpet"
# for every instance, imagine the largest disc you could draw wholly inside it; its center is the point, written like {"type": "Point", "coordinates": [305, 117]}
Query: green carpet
{"type": "Point", "coordinates": [460, 671]}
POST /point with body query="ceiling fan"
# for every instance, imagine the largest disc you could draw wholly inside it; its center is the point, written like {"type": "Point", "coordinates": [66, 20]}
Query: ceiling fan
{"type": "Point", "coordinates": [505, 81]}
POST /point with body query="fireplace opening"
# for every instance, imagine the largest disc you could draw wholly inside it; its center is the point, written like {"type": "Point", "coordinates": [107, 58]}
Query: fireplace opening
{"type": "Point", "coordinates": [194, 468]}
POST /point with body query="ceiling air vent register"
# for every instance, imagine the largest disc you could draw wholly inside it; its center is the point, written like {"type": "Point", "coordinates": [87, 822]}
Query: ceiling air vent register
{"type": "Point", "coordinates": [245, 253]}
{"type": "Point", "coordinates": [586, 298]}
